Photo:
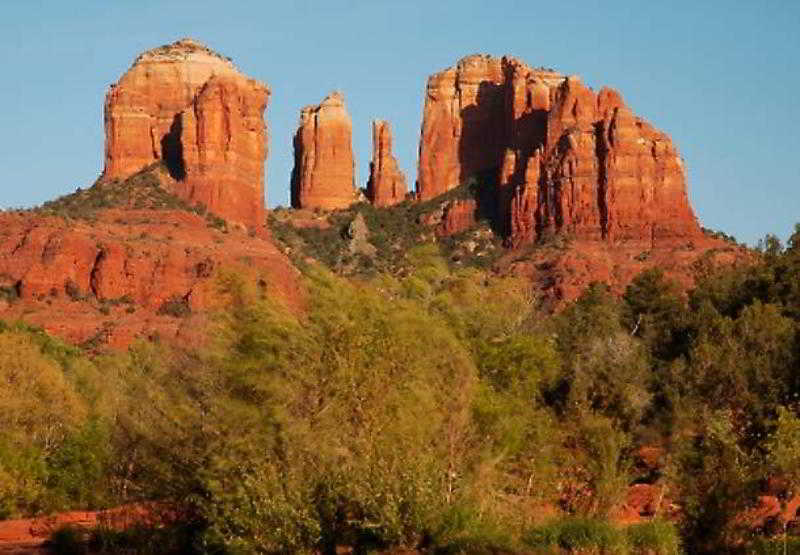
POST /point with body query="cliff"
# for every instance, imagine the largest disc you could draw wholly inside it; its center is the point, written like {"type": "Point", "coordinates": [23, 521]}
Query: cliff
{"type": "Point", "coordinates": [566, 159]}
{"type": "Point", "coordinates": [189, 107]}
{"type": "Point", "coordinates": [323, 156]}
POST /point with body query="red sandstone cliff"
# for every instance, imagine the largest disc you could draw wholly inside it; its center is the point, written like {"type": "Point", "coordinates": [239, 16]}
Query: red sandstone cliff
{"type": "Point", "coordinates": [566, 159]}
{"type": "Point", "coordinates": [192, 109]}
{"type": "Point", "coordinates": [323, 157]}
{"type": "Point", "coordinates": [387, 184]}
{"type": "Point", "coordinates": [128, 273]}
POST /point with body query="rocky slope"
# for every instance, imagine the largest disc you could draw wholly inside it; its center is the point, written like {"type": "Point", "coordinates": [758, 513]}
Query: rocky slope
{"type": "Point", "coordinates": [107, 276]}
{"type": "Point", "coordinates": [189, 107]}
{"type": "Point", "coordinates": [323, 156]}
{"type": "Point", "coordinates": [387, 184]}
{"type": "Point", "coordinates": [566, 159]}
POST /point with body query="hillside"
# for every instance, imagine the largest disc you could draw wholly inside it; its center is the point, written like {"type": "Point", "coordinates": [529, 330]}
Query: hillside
{"type": "Point", "coordinates": [538, 350]}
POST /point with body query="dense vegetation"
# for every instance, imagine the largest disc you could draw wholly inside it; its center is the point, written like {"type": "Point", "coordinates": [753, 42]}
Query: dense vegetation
{"type": "Point", "coordinates": [391, 232]}
{"type": "Point", "coordinates": [437, 409]}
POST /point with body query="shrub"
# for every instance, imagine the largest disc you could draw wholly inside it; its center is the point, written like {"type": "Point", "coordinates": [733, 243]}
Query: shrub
{"type": "Point", "coordinates": [68, 540]}
{"type": "Point", "coordinates": [579, 535]}
{"type": "Point", "coordinates": [657, 537]}
{"type": "Point", "coordinates": [177, 307]}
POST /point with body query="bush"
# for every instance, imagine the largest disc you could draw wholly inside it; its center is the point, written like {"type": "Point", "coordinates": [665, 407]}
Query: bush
{"type": "Point", "coordinates": [656, 537]}
{"type": "Point", "coordinates": [577, 534]}
{"type": "Point", "coordinates": [68, 540]}
{"type": "Point", "coordinates": [177, 307]}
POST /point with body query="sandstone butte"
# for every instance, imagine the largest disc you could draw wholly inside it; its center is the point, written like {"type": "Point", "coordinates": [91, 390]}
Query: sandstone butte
{"type": "Point", "coordinates": [190, 108]}
{"type": "Point", "coordinates": [387, 184]}
{"type": "Point", "coordinates": [323, 157]}
{"type": "Point", "coordinates": [564, 158]}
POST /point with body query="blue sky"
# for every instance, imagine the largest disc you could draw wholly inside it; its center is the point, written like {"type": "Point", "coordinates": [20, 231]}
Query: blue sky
{"type": "Point", "coordinates": [721, 77]}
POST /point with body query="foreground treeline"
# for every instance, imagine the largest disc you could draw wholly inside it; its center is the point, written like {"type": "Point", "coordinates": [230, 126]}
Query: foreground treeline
{"type": "Point", "coordinates": [439, 411]}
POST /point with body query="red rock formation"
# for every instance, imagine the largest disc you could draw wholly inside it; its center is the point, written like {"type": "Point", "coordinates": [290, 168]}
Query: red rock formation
{"type": "Point", "coordinates": [387, 184]}
{"type": "Point", "coordinates": [568, 160]}
{"type": "Point", "coordinates": [126, 273]}
{"type": "Point", "coordinates": [452, 217]}
{"type": "Point", "coordinates": [30, 535]}
{"type": "Point", "coordinates": [192, 109]}
{"type": "Point", "coordinates": [323, 157]}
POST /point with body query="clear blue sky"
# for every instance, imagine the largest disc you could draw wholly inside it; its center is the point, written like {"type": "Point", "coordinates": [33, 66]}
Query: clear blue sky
{"type": "Point", "coordinates": [722, 77]}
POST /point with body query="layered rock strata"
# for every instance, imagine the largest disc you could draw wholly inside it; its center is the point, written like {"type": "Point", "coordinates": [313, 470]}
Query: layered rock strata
{"type": "Point", "coordinates": [129, 273]}
{"type": "Point", "coordinates": [191, 109]}
{"type": "Point", "coordinates": [567, 159]}
{"type": "Point", "coordinates": [387, 184]}
{"type": "Point", "coordinates": [323, 157]}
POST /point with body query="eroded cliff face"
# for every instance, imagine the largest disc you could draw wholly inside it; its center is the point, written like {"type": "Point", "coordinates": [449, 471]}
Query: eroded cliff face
{"type": "Point", "coordinates": [190, 108]}
{"type": "Point", "coordinates": [323, 157]}
{"type": "Point", "coordinates": [567, 159]}
{"type": "Point", "coordinates": [387, 184]}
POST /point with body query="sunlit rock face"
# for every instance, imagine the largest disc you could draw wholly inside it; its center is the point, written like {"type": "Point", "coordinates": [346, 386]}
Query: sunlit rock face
{"type": "Point", "coordinates": [387, 184]}
{"type": "Point", "coordinates": [564, 158]}
{"type": "Point", "coordinates": [186, 106]}
{"type": "Point", "coordinates": [323, 157]}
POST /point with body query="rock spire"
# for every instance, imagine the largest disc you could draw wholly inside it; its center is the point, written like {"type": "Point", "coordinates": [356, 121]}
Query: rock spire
{"type": "Point", "coordinates": [323, 156]}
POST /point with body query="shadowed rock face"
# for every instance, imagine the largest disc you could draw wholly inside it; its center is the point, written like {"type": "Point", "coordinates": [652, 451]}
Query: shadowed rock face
{"type": "Point", "coordinates": [387, 184]}
{"type": "Point", "coordinates": [190, 108]}
{"type": "Point", "coordinates": [567, 159]}
{"type": "Point", "coordinates": [323, 157]}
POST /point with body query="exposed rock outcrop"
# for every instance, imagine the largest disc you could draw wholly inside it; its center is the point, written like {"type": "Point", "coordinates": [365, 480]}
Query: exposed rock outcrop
{"type": "Point", "coordinates": [128, 273]}
{"type": "Point", "coordinates": [387, 184]}
{"type": "Point", "coordinates": [567, 159]}
{"type": "Point", "coordinates": [323, 157]}
{"type": "Point", "coordinates": [190, 108]}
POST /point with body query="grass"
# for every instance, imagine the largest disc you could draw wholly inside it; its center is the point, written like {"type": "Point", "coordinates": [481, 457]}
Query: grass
{"type": "Point", "coordinates": [588, 535]}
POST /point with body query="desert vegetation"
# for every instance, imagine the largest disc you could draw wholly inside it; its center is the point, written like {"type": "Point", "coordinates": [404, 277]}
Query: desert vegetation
{"type": "Point", "coordinates": [438, 410]}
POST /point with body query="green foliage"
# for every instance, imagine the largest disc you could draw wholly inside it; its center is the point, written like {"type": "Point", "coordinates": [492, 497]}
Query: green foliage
{"type": "Point", "coordinates": [716, 478]}
{"type": "Point", "coordinates": [773, 546]}
{"type": "Point", "coordinates": [582, 535]}
{"type": "Point", "coordinates": [719, 235]}
{"type": "Point", "coordinates": [426, 405]}
{"type": "Point", "coordinates": [141, 190]}
{"type": "Point", "coordinates": [653, 311]}
{"type": "Point", "coordinates": [784, 446]}
{"type": "Point", "coordinates": [577, 535]}
{"type": "Point", "coordinates": [392, 231]}
{"type": "Point", "coordinates": [68, 540]}
{"type": "Point", "coordinates": [656, 537]}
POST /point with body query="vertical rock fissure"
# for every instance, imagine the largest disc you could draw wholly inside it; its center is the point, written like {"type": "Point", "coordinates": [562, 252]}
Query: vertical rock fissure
{"type": "Point", "coordinates": [94, 274]}
{"type": "Point", "coordinates": [601, 152]}
{"type": "Point", "coordinates": [172, 150]}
